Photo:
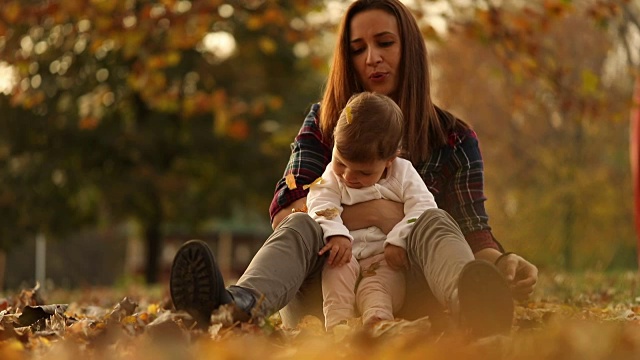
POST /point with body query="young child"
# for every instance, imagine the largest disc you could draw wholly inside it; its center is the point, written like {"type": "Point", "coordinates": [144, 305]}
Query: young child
{"type": "Point", "coordinates": [364, 270]}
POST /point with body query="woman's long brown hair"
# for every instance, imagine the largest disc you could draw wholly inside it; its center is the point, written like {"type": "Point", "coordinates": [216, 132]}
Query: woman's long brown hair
{"type": "Point", "coordinates": [424, 130]}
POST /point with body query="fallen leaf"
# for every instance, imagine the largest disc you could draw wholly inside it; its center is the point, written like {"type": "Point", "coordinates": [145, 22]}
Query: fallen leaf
{"type": "Point", "coordinates": [30, 297]}
{"type": "Point", "coordinates": [124, 308]}
{"type": "Point", "coordinates": [401, 327]}
{"type": "Point", "coordinates": [291, 181]}
{"type": "Point", "coordinates": [316, 181]}
{"type": "Point", "coordinates": [328, 213]}
{"type": "Point", "coordinates": [371, 270]}
{"type": "Point", "coordinates": [31, 314]}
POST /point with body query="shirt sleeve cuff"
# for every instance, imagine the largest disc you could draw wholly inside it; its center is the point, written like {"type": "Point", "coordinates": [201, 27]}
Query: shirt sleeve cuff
{"type": "Point", "coordinates": [482, 239]}
{"type": "Point", "coordinates": [290, 197]}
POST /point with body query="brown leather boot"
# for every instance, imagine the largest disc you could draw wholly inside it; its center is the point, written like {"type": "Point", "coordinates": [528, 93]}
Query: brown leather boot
{"type": "Point", "coordinates": [485, 300]}
{"type": "Point", "coordinates": [196, 284]}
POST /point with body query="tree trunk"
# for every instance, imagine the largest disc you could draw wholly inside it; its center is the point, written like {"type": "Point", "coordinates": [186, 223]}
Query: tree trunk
{"type": "Point", "coordinates": [153, 238]}
{"type": "Point", "coordinates": [3, 264]}
{"type": "Point", "coordinates": [569, 234]}
{"type": "Point", "coordinates": [635, 158]}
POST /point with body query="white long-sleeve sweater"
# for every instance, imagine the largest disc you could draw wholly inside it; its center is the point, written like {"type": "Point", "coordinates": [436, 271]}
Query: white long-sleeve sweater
{"type": "Point", "coordinates": [402, 183]}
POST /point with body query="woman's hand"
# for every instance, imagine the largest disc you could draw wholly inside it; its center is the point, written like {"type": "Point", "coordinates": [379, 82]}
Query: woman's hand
{"type": "Point", "coordinates": [520, 273]}
{"type": "Point", "coordinates": [339, 248]}
{"type": "Point", "coordinates": [396, 257]}
{"type": "Point", "coordinates": [381, 213]}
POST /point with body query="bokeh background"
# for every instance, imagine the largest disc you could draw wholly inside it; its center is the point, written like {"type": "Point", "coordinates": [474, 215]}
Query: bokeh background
{"type": "Point", "coordinates": [130, 126]}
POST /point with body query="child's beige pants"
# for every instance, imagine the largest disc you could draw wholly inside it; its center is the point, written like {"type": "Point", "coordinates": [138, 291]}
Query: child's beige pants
{"type": "Point", "coordinates": [368, 287]}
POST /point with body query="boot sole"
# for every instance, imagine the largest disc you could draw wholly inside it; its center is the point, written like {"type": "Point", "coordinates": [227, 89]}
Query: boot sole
{"type": "Point", "coordinates": [196, 283]}
{"type": "Point", "coordinates": [486, 303]}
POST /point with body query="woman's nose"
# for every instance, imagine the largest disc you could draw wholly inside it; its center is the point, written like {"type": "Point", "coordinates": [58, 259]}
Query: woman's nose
{"type": "Point", "coordinates": [373, 56]}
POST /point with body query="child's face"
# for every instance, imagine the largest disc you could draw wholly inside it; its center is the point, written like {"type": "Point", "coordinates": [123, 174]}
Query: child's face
{"type": "Point", "coordinates": [358, 175]}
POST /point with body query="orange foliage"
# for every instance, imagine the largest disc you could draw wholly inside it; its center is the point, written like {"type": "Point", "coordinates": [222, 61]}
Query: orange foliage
{"type": "Point", "coordinates": [238, 130]}
{"type": "Point", "coordinates": [11, 11]}
{"type": "Point", "coordinates": [88, 123]}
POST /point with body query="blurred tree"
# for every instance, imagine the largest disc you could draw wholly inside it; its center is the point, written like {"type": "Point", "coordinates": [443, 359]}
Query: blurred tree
{"type": "Point", "coordinates": [552, 120]}
{"type": "Point", "coordinates": [166, 111]}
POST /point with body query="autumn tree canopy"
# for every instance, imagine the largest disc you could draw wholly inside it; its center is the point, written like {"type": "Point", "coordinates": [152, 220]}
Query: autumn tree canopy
{"type": "Point", "coordinates": [168, 112]}
{"type": "Point", "coordinates": [174, 112]}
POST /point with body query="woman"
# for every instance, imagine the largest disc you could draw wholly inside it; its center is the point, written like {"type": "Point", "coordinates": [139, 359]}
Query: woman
{"type": "Point", "coordinates": [380, 49]}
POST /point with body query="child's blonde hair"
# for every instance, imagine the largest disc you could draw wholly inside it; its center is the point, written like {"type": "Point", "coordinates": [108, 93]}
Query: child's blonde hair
{"type": "Point", "coordinates": [369, 128]}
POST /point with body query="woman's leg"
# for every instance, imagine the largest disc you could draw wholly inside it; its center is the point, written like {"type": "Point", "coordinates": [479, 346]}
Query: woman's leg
{"type": "Point", "coordinates": [438, 250]}
{"type": "Point", "coordinates": [339, 292]}
{"type": "Point", "coordinates": [286, 269]}
{"type": "Point", "coordinates": [278, 274]}
{"type": "Point", "coordinates": [381, 291]}
{"type": "Point", "coordinates": [474, 291]}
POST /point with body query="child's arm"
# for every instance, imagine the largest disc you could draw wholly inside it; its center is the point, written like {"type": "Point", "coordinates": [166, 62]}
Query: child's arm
{"type": "Point", "coordinates": [417, 199]}
{"type": "Point", "coordinates": [396, 257]}
{"type": "Point", "coordinates": [339, 248]}
{"type": "Point", "coordinates": [324, 205]}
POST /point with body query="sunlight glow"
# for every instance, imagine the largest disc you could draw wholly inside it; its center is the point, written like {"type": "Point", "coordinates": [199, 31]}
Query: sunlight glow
{"type": "Point", "coordinates": [8, 78]}
{"type": "Point", "coordinates": [221, 44]}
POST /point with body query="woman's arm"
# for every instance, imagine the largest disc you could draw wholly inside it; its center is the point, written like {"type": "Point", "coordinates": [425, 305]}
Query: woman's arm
{"type": "Point", "coordinates": [381, 213]}
{"type": "Point", "coordinates": [520, 273]}
{"type": "Point", "coordinates": [309, 157]}
{"type": "Point", "coordinates": [462, 194]}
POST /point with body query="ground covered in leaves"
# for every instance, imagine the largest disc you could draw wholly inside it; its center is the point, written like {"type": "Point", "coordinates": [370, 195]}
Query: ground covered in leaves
{"type": "Point", "coordinates": [586, 316]}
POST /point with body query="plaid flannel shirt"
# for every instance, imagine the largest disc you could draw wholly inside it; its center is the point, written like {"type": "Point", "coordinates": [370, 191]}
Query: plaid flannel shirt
{"type": "Point", "coordinates": [453, 173]}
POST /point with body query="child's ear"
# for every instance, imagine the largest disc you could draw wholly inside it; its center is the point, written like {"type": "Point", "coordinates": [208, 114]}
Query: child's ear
{"type": "Point", "coordinates": [390, 161]}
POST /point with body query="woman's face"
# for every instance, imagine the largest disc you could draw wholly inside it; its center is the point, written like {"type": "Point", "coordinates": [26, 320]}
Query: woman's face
{"type": "Point", "coordinates": [376, 50]}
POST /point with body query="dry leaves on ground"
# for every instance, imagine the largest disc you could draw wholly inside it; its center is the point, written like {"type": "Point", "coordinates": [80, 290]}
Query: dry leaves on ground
{"type": "Point", "coordinates": [596, 319]}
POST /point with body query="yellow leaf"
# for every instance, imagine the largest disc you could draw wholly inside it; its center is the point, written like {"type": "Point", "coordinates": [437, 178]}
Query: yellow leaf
{"type": "Point", "coordinates": [129, 320]}
{"type": "Point", "coordinates": [12, 345]}
{"type": "Point", "coordinates": [316, 181]}
{"type": "Point", "coordinates": [348, 114]}
{"type": "Point", "coordinates": [291, 181]}
{"type": "Point", "coordinates": [153, 308]}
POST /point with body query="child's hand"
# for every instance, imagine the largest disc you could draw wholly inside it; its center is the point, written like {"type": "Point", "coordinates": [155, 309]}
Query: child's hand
{"type": "Point", "coordinates": [396, 257]}
{"type": "Point", "coordinates": [339, 248]}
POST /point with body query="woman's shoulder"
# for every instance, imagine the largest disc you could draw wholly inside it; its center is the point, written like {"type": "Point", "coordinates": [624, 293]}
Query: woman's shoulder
{"type": "Point", "coordinates": [462, 136]}
{"type": "Point", "coordinates": [458, 130]}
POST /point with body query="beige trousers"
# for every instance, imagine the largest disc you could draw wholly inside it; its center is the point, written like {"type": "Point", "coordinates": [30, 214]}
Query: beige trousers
{"type": "Point", "coordinates": [287, 270]}
{"type": "Point", "coordinates": [367, 286]}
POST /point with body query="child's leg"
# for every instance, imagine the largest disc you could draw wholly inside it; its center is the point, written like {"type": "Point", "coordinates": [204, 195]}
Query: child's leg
{"type": "Point", "coordinates": [338, 292]}
{"type": "Point", "coordinates": [381, 291]}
